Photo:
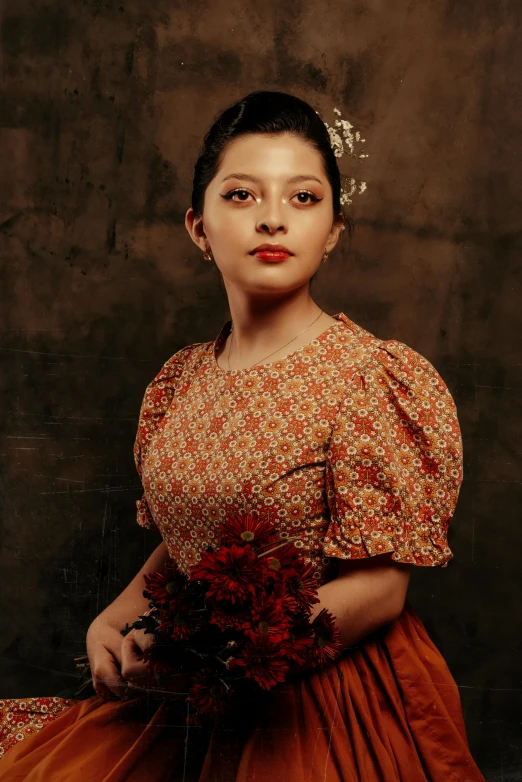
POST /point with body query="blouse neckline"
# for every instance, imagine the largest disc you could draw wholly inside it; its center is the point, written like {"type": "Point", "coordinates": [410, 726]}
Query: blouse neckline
{"type": "Point", "coordinates": [341, 318]}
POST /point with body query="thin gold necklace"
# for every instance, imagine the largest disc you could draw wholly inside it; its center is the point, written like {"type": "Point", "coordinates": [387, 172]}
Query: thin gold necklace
{"type": "Point", "coordinates": [275, 351]}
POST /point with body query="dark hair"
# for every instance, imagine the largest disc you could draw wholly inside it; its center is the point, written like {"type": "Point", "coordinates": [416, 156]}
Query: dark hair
{"type": "Point", "coordinates": [263, 111]}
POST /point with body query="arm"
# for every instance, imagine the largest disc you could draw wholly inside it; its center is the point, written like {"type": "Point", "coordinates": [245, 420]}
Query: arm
{"type": "Point", "coordinates": [367, 594]}
{"type": "Point", "coordinates": [131, 603]}
{"type": "Point", "coordinates": [104, 640]}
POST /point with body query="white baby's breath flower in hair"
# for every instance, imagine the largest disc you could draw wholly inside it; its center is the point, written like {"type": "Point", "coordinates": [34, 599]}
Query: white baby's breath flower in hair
{"type": "Point", "coordinates": [344, 142]}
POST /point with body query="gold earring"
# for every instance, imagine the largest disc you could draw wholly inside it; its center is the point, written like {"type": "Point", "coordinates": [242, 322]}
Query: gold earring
{"type": "Point", "coordinates": [207, 256]}
{"type": "Point", "coordinates": [325, 256]}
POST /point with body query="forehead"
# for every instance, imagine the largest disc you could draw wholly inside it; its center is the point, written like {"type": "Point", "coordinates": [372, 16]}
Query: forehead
{"type": "Point", "coordinates": [278, 154]}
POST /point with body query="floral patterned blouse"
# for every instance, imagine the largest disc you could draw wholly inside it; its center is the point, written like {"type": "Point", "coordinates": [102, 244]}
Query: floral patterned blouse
{"type": "Point", "coordinates": [350, 442]}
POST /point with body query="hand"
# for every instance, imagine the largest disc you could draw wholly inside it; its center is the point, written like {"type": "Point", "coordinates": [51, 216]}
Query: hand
{"type": "Point", "coordinates": [138, 676]}
{"type": "Point", "coordinates": [134, 671]}
{"type": "Point", "coordinates": [104, 644]}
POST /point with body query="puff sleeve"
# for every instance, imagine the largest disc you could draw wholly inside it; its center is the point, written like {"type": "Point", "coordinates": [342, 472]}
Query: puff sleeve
{"type": "Point", "coordinates": [394, 461]}
{"type": "Point", "coordinates": [156, 401]}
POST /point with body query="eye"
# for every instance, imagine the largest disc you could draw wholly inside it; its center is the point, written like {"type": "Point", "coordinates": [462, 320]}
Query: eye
{"type": "Point", "coordinates": [308, 193]}
{"type": "Point", "coordinates": [229, 195]}
{"type": "Point", "coordinates": [240, 191]}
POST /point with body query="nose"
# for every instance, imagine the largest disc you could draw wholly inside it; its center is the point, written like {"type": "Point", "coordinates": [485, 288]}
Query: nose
{"type": "Point", "coordinates": [271, 216]}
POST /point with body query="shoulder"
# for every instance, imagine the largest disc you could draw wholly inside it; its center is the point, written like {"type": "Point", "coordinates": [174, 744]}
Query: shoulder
{"type": "Point", "coordinates": [390, 383]}
{"type": "Point", "coordinates": [182, 360]}
{"type": "Point", "coordinates": [372, 363]}
{"type": "Point", "coordinates": [160, 390]}
{"type": "Point", "coordinates": [182, 364]}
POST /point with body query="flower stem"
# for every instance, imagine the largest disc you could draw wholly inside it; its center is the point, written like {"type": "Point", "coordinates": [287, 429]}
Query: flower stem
{"type": "Point", "coordinates": [289, 540]}
{"type": "Point", "coordinates": [84, 685]}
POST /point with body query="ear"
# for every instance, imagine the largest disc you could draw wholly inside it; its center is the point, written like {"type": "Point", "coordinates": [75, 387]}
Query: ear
{"type": "Point", "coordinates": [335, 232]}
{"type": "Point", "coordinates": [194, 226]}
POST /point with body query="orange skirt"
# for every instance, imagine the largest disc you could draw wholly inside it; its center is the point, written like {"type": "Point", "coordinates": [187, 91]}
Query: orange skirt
{"type": "Point", "coordinates": [387, 711]}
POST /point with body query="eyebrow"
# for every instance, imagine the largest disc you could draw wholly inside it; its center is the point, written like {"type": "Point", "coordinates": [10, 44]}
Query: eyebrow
{"type": "Point", "coordinates": [250, 178]}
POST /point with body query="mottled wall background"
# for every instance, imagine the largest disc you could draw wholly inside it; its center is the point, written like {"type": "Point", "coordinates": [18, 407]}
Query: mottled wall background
{"type": "Point", "coordinates": [102, 110]}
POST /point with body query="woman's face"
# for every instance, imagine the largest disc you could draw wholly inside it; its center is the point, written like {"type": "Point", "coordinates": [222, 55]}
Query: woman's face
{"type": "Point", "coordinates": [268, 189]}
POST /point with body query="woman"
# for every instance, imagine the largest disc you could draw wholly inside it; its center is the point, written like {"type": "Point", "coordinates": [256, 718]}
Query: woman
{"type": "Point", "coordinates": [353, 441]}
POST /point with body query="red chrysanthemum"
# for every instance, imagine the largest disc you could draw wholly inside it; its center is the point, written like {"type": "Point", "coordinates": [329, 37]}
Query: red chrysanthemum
{"type": "Point", "coordinates": [233, 574]}
{"type": "Point", "coordinates": [290, 605]}
{"type": "Point", "coordinates": [263, 661]}
{"type": "Point", "coordinates": [267, 616]}
{"type": "Point", "coordinates": [327, 639]}
{"type": "Point", "coordinates": [163, 588]}
{"type": "Point", "coordinates": [300, 643]}
{"type": "Point", "coordinates": [247, 528]}
{"type": "Point", "coordinates": [253, 594]}
{"type": "Point", "coordinates": [299, 650]}
{"type": "Point", "coordinates": [160, 656]}
{"type": "Point", "coordinates": [227, 615]}
{"type": "Point", "coordinates": [283, 559]}
{"type": "Point", "coordinates": [303, 586]}
{"type": "Point", "coordinates": [179, 622]}
{"type": "Point", "coordinates": [208, 693]}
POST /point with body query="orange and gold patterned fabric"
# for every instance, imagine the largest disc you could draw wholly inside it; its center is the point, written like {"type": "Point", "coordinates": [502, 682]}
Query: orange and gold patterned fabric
{"type": "Point", "coordinates": [352, 442]}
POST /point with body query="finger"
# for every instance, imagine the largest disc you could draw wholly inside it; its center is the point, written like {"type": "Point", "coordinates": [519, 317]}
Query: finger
{"type": "Point", "coordinates": [109, 677]}
{"type": "Point", "coordinates": [143, 639]}
{"type": "Point", "coordinates": [132, 666]}
{"type": "Point", "coordinates": [108, 688]}
{"type": "Point", "coordinates": [103, 691]}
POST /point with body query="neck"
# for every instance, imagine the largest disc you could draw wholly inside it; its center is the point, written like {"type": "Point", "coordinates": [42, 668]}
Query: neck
{"type": "Point", "coordinates": [259, 333]}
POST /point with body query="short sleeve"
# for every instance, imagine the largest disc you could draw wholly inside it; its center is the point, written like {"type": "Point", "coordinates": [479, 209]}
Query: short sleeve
{"type": "Point", "coordinates": [394, 461]}
{"type": "Point", "coordinates": [156, 401]}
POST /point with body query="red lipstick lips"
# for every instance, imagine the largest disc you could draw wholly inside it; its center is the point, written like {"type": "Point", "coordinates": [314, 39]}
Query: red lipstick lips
{"type": "Point", "coordinates": [271, 252]}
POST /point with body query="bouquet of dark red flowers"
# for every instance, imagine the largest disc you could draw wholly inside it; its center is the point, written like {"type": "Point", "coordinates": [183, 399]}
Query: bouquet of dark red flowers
{"type": "Point", "coordinates": [240, 620]}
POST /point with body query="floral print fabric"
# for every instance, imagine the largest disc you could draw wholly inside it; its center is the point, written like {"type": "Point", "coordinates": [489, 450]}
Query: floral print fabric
{"type": "Point", "coordinates": [351, 442]}
{"type": "Point", "coordinates": [21, 717]}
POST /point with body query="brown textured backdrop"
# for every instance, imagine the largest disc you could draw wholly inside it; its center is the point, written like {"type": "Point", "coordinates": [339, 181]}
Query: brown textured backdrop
{"type": "Point", "coordinates": [102, 110]}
